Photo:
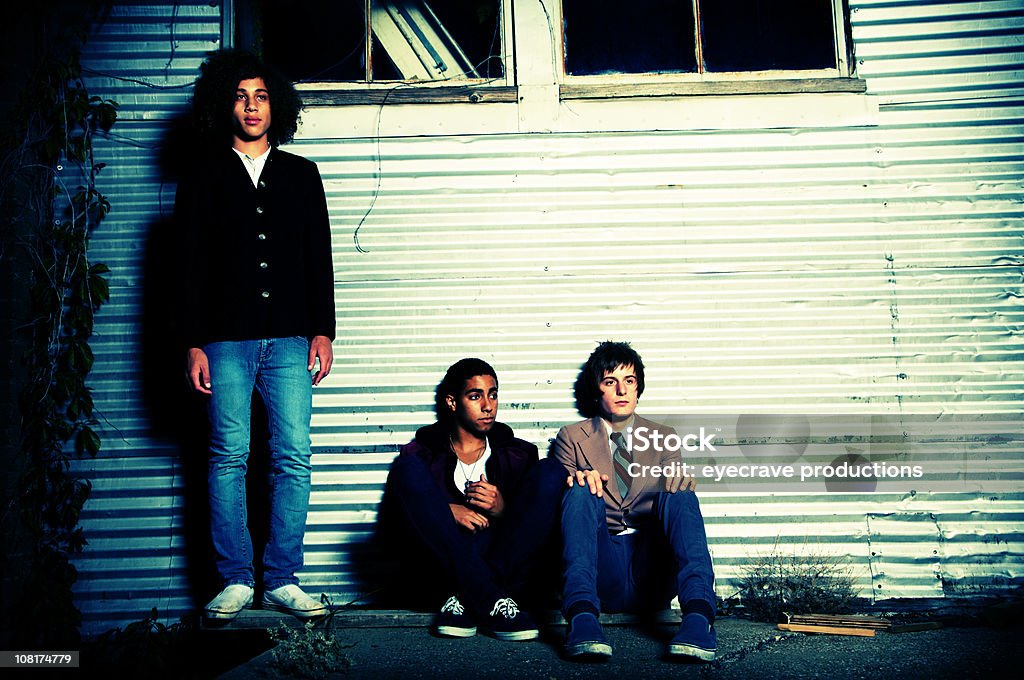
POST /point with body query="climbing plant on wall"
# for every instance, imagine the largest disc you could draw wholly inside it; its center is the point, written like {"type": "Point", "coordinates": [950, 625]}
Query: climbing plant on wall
{"type": "Point", "coordinates": [54, 205]}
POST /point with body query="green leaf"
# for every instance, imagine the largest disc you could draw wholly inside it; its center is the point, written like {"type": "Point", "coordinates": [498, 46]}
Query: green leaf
{"type": "Point", "coordinates": [81, 355]}
{"type": "Point", "coordinates": [87, 441]}
{"type": "Point", "coordinates": [99, 289]}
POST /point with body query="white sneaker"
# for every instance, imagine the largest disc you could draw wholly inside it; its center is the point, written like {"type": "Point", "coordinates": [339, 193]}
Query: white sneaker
{"type": "Point", "coordinates": [229, 602]}
{"type": "Point", "coordinates": [292, 600]}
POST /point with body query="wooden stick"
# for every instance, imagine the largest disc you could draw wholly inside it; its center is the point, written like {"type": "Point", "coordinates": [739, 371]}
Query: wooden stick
{"type": "Point", "coordinates": [829, 630]}
{"type": "Point", "coordinates": [854, 621]}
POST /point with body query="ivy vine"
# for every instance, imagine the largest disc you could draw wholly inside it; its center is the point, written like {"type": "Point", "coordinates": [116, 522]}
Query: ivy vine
{"type": "Point", "coordinates": [57, 206]}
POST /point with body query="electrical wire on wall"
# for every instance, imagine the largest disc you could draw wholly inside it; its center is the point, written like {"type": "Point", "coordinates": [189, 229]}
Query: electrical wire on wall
{"type": "Point", "coordinates": [380, 114]}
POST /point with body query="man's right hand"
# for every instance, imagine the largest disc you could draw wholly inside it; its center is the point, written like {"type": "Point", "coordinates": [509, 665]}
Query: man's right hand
{"type": "Point", "coordinates": [469, 519]}
{"type": "Point", "coordinates": [589, 478]}
{"type": "Point", "coordinates": [199, 371]}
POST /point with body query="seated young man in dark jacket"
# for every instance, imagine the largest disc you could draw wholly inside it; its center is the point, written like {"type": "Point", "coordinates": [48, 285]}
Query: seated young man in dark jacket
{"type": "Point", "coordinates": [475, 505]}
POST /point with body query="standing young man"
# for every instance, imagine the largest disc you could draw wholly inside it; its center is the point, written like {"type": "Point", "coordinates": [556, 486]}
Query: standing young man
{"type": "Point", "coordinates": [259, 304]}
{"type": "Point", "coordinates": [474, 507]}
{"type": "Point", "coordinates": [629, 539]}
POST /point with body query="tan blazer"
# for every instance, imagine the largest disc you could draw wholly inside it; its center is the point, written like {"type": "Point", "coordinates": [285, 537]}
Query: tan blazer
{"type": "Point", "coordinates": [585, 446]}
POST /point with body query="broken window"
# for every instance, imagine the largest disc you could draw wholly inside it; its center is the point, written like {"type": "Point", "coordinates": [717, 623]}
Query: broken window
{"type": "Point", "coordinates": [376, 40]}
{"type": "Point", "coordinates": [701, 36]}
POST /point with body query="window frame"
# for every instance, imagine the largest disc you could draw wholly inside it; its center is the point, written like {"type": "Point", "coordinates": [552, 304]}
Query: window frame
{"type": "Point", "coordinates": [461, 90]}
{"type": "Point", "coordinates": [779, 81]}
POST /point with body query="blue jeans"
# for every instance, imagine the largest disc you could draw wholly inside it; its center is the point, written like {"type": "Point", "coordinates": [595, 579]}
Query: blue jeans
{"type": "Point", "coordinates": [634, 572]}
{"type": "Point", "coordinates": [277, 368]}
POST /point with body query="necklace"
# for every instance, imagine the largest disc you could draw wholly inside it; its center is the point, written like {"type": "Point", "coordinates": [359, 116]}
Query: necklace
{"type": "Point", "coordinates": [468, 471]}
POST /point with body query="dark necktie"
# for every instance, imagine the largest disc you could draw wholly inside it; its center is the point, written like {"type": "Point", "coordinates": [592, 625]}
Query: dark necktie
{"type": "Point", "coordinates": [621, 459]}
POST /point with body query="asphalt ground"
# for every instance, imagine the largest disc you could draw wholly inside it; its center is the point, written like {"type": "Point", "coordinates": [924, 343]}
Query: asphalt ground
{"type": "Point", "coordinates": [746, 649]}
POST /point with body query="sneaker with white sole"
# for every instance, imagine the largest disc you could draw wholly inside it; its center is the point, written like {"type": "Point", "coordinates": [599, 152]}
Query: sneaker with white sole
{"type": "Point", "coordinates": [507, 622]}
{"type": "Point", "coordinates": [696, 639]}
{"type": "Point", "coordinates": [229, 602]}
{"type": "Point", "coordinates": [292, 600]}
{"type": "Point", "coordinates": [453, 621]}
{"type": "Point", "coordinates": [585, 639]}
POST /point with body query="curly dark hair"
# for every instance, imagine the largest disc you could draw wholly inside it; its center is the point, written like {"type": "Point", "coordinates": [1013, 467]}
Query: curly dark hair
{"type": "Point", "coordinates": [606, 358]}
{"type": "Point", "coordinates": [455, 380]}
{"type": "Point", "coordinates": [213, 99]}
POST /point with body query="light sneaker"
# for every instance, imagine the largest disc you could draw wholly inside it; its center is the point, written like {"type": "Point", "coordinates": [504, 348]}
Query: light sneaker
{"type": "Point", "coordinates": [507, 622]}
{"type": "Point", "coordinates": [292, 600]}
{"type": "Point", "coordinates": [696, 639]}
{"type": "Point", "coordinates": [453, 621]}
{"type": "Point", "coordinates": [229, 602]}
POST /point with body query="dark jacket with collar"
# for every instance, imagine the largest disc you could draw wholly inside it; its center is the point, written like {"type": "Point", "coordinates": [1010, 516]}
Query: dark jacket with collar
{"type": "Point", "coordinates": [510, 458]}
{"type": "Point", "coordinates": [257, 259]}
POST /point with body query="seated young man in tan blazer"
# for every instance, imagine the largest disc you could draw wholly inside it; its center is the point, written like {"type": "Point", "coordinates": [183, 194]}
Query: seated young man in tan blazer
{"type": "Point", "coordinates": [631, 537]}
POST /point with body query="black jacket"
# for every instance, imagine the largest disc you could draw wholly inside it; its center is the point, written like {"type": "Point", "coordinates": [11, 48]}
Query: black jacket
{"type": "Point", "coordinates": [510, 458]}
{"type": "Point", "coordinates": [257, 260]}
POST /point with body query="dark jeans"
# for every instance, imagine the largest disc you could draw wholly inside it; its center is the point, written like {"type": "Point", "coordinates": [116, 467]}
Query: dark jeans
{"type": "Point", "coordinates": [484, 566]}
{"type": "Point", "coordinates": [633, 572]}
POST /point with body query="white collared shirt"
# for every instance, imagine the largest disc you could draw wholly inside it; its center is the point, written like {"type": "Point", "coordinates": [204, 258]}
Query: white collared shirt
{"type": "Point", "coordinates": [254, 166]}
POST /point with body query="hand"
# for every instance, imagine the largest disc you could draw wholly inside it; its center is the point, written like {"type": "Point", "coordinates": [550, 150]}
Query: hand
{"type": "Point", "coordinates": [468, 519]}
{"type": "Point", "coordinates": [198, 368]}
{"type": "Point", "coordinates": [589, 478]}
{"type": "Point", "coordinates": [486, 496]}
{"type": "Point", "coordinates": [320, 349]}
{"type": "Point", "coordinates": [680, 483]}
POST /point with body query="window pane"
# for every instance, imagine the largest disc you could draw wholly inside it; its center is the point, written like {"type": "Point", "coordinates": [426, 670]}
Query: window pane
{"type": "Point", "coordinates": [325, 43]}
{"type": "Point", "coordinates": [755, 35]}
{"type": "Point", "coordinates": [383, 67]}
{"type": "Point", "coordinates": [439, 40]}
{"type": "Point", "coordinates": [411, 39]}
{"type": "Point", "coordinates": [639, 36]}
{"type": "Point", "coordinates": [475, 25]}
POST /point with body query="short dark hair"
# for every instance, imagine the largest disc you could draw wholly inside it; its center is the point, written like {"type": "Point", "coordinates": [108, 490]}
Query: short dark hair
{"type": "Point", "coordinates": [606, 358]}
{"type": "Point", "coordinates": [455, 379]}
{"type": "Point", "coordinates": [213, 98]}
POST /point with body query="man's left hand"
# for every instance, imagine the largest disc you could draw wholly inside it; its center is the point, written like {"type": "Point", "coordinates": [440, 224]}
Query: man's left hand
{"type": "Point", "coordinates": [320, 349]}
{"type": "Point", "coordinates": [486, 496]}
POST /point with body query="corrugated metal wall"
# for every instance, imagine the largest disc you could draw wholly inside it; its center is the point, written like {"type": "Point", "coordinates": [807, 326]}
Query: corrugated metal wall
{"type": "Point", "coordinates": [870, 269]}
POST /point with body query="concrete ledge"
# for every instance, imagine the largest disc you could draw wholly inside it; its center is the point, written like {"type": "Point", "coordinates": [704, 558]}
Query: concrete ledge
{"type": "Point", "coordinates": [344, 618]}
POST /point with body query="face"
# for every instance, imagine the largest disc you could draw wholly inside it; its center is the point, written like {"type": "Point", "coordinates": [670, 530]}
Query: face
{"type": "Point", "coordinates": [476, 406]}
{"type": "Point", "coordinates": [618, 394]}
{"type": "Point", "coordinates": [252, 110]}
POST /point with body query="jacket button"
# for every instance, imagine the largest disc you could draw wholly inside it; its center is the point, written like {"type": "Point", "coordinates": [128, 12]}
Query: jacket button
{"type": "Point", "coordinates": [259, 210]}
{"type": "Point", "coordinates": [263, 265]}
{"type": "Point", "coordinates": [262, 184]}
{"type": "Point", "coordinates": [262, 237]}
{"type": "Point", "coordinates": [265, 294]}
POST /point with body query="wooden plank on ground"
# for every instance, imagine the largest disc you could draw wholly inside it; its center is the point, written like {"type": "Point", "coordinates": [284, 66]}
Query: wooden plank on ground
{"type": "Point", "coordinates": [842, 620]}
{"type": "Point", "coordinates": [827, 630]}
